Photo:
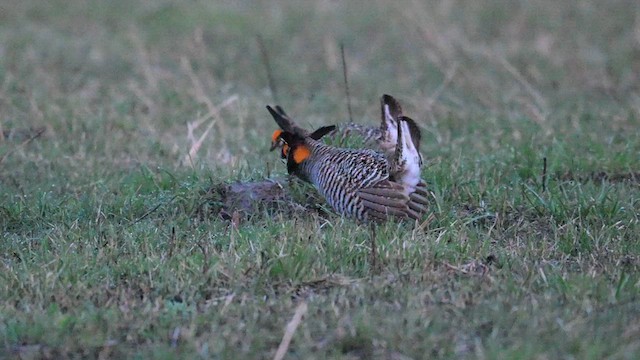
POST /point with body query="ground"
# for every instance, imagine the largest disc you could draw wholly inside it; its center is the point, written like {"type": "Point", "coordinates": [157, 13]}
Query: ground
{"type": "Point", "coordinates": [126, 126]}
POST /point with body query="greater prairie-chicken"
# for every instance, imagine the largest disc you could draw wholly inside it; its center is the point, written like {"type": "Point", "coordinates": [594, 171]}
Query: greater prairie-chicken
{"type": "Point", "coordinates": [382, 137]}
{"type": "Point", "coordinates": [360, 183]}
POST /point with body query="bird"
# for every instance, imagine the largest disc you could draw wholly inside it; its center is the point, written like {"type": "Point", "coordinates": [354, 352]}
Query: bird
{"type": "Point", "coordinates": [365, 184]}
{"type": "Point", "coordinates": [277, 142]}
{"type": "Point", "coordinates": [382, 137]}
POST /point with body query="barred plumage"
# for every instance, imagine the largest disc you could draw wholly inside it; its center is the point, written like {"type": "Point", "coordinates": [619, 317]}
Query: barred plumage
{"type": "Point", "coordinates": [370, 135]}
{"type": "Point", "coordinates": [360, 183]}
{"type": "Point", "coordinates": [382, 137]}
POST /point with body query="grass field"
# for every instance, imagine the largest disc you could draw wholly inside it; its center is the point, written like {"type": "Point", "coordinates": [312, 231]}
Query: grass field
{"type": "Point", "coordinates": [118, 116]}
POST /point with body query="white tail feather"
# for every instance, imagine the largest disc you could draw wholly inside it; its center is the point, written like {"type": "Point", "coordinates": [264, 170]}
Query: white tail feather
{"type": "Point", "coordinates": [410, 157]}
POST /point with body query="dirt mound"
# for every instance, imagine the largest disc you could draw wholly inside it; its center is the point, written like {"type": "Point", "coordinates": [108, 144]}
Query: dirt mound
{"type": "Point", "coordinates": [241, 200]}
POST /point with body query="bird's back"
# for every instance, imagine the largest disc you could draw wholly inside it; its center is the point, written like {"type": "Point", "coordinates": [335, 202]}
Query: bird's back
{"type": "Point", "coordinates": [339, 174]}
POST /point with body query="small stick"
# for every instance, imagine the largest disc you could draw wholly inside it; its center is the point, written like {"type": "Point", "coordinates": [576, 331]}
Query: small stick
{"type": "Point", "coordinates": [267, 66]}
{"type": "Point", "coordinates": [346, 81]}
{"type": "Point", "coordinates": [544, 174]}
{"type": "Point", "coordinates": [172, 241]}
{"type": "Point", "coordinates": [290, 330]}
{"type": "Point", "coordinates": [152, 210]}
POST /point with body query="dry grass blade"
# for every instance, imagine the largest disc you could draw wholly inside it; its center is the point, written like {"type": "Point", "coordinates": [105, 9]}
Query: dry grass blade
{"type": "Point", "coordinates": [198, 89]}
{"type": "Point", "coordinates": [442, 87]}
{"type": "Point", "coordinates": [541, 104]}
{"type": "Point", "coordinates": [213, 111]}
{"type": "Point", "coordinates": [144, 59]}
{"type": "Point", "coordinates": [290, 330]}
{"type": "Point", "coordinates": [195, 145]}
{"type": "Point", "coordinates": [267, 65]}
{"type": "Point", "coordinates": [346, 82]}
{"type": "Point", "coordinates": [153, 210]}
{"type": "Point", "coordinates": [191, 126]}
{"type": "Point", "coordinates": [24, 143]}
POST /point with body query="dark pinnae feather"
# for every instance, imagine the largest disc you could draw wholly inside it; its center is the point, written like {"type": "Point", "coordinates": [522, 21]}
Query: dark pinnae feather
{"type": "Point", "coordinates": [322, 131]}
{"type": "Point", "coordinates": [414, 131]}
{"type": "Point", "coordinates": [395, 110]}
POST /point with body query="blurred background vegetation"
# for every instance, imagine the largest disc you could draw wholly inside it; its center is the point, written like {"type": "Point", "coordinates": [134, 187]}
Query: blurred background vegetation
{"type": "Point", "coordinates": [143, 70]}
{"type": "Point", "coordinates": [117, 116]}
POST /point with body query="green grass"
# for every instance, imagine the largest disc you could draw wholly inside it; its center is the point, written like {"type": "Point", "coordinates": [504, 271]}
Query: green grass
{"type": "Point", "coordinates": [109, 246]}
